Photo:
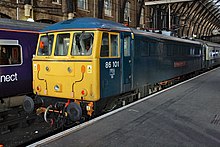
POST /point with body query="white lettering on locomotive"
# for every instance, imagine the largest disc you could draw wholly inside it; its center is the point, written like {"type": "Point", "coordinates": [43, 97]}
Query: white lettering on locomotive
{"type": "Point", "coordinates": [9, 78]}
{"type": "Point", "coordinates": [113, 64]}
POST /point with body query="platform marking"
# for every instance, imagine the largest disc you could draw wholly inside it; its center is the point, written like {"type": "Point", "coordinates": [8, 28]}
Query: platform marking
{"type": "Point", "coordinates": [215, 120]}
{"type": "Point", "coordinates": [80, 126]}
{"type": "Point", "coordinates": [133, 110]}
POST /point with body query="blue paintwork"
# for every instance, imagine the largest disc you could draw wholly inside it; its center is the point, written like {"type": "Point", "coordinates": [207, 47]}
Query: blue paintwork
{"type": "Point", "coordinates": [109, 85]}
{"type": "Point", "coordinates": [85, 23]}
{"type": "Point", "coordinates": [126, 63]}
{"type": "Point", "coordinates": [152, 69]}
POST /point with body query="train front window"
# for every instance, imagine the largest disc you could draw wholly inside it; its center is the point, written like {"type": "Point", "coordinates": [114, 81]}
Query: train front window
{"type": "Point", "coordinates": [82, 44]}
{"type": "Point", "coordinates": [62, 44]}
{"type": "Point", "coordinates": [45, 45]}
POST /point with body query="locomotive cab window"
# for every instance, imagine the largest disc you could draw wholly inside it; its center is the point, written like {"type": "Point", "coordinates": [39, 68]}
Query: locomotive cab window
{"type": "Point", "coordinates": [82, 44]}
{"type": "Point", "coordinates": [10, 54]}
{"type": "Point", "coordinates": [62, 44]}
{"type": "Point", "coordinates": [45, 45]}
{"type": "Point", "coordinates": [110, 45]}
{"type": "Point", "coordinates": [105, 45]}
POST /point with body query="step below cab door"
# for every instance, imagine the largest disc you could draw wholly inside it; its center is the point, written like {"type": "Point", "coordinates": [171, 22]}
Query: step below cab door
{"type": "Point", "coordinates": [110, 66]}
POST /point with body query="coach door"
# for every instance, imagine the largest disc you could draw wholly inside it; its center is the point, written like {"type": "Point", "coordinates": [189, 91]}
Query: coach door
{"type": "Point", "coordinates": [126, 62]}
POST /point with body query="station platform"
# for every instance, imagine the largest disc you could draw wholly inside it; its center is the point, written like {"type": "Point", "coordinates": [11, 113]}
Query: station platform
{"type": "Point", "coordinates": [187, 114]}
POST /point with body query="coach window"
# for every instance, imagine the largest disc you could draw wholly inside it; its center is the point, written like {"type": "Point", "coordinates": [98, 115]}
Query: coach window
{"type": "Point", "coordinates": [62, 44]}
{"type": "Point", "coordinates": [153, 47]}
{"type": "Point", "coordinates": [82, 44]}
{"type": "Point", "coordinates": [170, 50]}
{"type": "Point", "coordinates": [45, 45]}
{"type": "Point", "coordinates": [185, 51]}
{"type": "Point", "coordinates": [192, 51]}
{"type": "Point", "coordinates": [197, 51]}
{"type": "Point", "coordinates": [10, 54]}
{"type": "Point", "coordinates": [144, 45]}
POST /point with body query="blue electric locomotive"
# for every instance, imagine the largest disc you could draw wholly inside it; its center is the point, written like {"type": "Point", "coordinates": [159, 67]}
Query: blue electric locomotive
{"type": "Point", "coordinates": [85, 66]}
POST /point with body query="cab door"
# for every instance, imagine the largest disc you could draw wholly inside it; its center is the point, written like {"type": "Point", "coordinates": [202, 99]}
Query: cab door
{"type": "Point", "coordinates": [126, 44]}
{"type": "Point", "coordinates": [110, 72]}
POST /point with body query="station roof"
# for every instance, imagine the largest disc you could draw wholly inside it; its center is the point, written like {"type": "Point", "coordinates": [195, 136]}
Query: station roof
{"type": "Point", "coordinates": [199, 17]}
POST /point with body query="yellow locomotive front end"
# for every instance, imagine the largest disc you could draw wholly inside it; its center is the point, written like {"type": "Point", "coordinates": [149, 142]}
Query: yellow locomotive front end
{"type": "Point", "coordinates": [66, 67]}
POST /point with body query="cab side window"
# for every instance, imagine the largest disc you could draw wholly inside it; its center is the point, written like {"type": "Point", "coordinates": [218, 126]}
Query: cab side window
{"type": "Point", "coordinates": [105, 45]}
{"type": "Point", "coordinates": [114, 45]}
{"type": "Point", "coordinates": [109, 46]}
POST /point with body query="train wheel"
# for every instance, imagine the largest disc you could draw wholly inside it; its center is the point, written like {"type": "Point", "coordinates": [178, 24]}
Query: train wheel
{"type": "Point", "coordinates": [74, 111]}
{"type": "Point", "coordinates": [28, 104]}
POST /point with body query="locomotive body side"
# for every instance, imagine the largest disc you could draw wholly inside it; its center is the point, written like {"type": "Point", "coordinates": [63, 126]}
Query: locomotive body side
{"type": "Point", "coordinates": [157, 59]}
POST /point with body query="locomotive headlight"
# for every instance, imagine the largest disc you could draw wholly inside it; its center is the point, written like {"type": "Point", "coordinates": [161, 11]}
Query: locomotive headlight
{"type": "Point", "coordinates": [84, 92]}
{"type": "Point", "coordinates": [38, 67]}
{"type": "Point", "coordinates": [69, 69]}
{"type": "Point", "coordinates": [58, 87]}
{"type": "Point", "coordinates": [38, 88]}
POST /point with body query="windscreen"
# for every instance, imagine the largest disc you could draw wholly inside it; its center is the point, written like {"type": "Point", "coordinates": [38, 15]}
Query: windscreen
{"type": "Point", "coordinates": [62, 44]}
{"type": "Point", "coordinates": [82, 44]}
{"type": "Point", "coordinates": [45, 45]}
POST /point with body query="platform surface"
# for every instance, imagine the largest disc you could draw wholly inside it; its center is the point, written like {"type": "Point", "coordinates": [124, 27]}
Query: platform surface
{"type": "Point", "coordinates": [187, 115]}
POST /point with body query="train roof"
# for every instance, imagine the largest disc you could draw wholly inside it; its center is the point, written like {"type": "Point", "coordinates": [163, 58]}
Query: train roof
{"type": "Point", "coordinates": [85, 23]}
{"type": "Point", "coordinates": [164, 37]}
{"type": "Point", "coordinates": [208, 43]}
{"type": "Point", "coordinates": [20, 25]}
{"type": "Point", "coordinates": [89, 23]}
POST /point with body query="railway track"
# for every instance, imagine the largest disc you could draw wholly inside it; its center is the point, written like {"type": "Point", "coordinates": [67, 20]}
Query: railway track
{"type": "Point", "coordinates": [17, 128]}
{"type": "Point", "coordinates": [11, 119]}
